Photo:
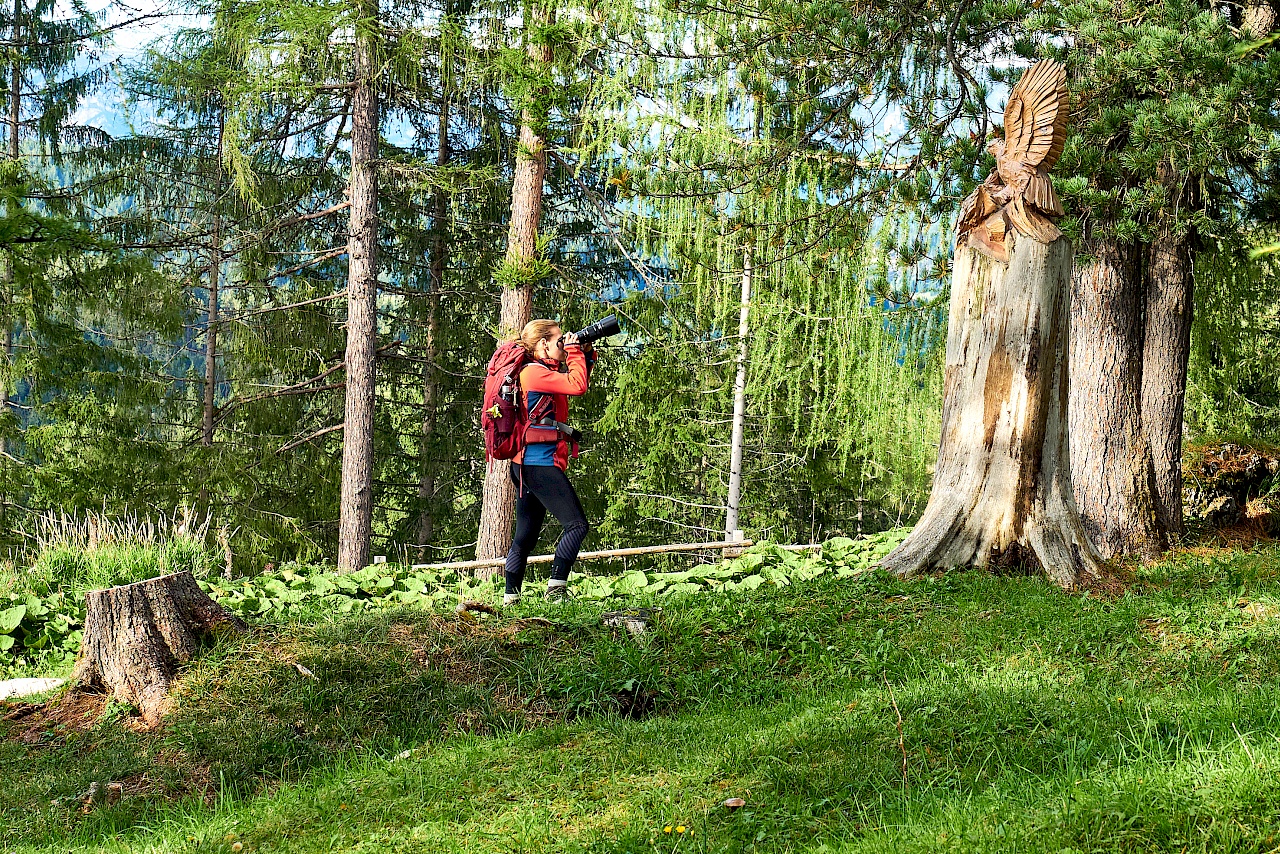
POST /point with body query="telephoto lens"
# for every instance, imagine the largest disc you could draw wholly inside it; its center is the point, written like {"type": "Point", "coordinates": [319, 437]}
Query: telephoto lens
{"type": "Point", "coordinates": [602, 328]}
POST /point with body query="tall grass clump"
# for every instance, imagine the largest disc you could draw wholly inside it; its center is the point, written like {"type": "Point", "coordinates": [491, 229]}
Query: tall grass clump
{"type": "Point", "coordinates": [92, 551]}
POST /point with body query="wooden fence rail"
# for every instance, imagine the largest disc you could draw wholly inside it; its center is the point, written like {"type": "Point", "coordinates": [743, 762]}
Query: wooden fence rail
{"type": "Point", "coordinates": [608, 553]}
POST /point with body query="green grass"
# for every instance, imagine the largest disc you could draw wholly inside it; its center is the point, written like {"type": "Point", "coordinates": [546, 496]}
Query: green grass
{"type": "Point", "coordinates": [1031, 720]}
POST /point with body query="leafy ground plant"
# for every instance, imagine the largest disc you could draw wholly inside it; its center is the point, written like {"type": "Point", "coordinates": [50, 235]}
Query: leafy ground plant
{"type": "Point", "coordinates": [295, 590]}
{"type": "Point", "coordinates": [961, 713]}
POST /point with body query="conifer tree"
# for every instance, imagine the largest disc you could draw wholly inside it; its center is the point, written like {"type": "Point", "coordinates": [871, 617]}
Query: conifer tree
{"type": "Point", "coordinates": [1175, 125]}
{"type": "Point", "coordinates": [538, 91]}
{"type": "Point", "coordinates": [58, 275]}
{"type": "Point", "coordinates": [801, 203]}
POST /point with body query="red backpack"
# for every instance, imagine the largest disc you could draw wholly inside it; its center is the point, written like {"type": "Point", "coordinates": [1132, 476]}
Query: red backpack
{"type": "Point", "coordinates": [503, 415]}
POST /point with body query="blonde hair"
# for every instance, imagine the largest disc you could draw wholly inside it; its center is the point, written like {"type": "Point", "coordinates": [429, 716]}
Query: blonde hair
{"type": "Point", "coordinates": [535, 331]}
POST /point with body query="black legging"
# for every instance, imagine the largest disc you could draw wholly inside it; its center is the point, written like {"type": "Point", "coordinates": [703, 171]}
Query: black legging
{"type": "Point", "coordinates": [545, 488]}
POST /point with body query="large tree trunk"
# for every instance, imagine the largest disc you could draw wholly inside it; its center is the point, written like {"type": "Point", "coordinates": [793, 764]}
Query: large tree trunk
{"type": "Point", "coordinates": [1166, 349]}
{"type": "Point", "coordinates": [1111, 461]}
{"type": "Point", "coordinates": [1002, 492]}
{"type": "Point", "coordinates": [425, 528]}
{"type": "Point", "coordinates": [497, 512]}
{"type": "Point", "coordinates": [356, 512]}
{"type": "Point", "coordinates": [136, 636]}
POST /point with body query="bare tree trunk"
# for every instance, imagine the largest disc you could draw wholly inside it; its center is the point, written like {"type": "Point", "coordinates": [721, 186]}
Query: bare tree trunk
{"type": "Point", "coordinates": [355, 526]}
{"type": "Point", "coordinates": [1111, 463]}
{"type": "Point", "coordinates": [6, 271]}
{"type": "Point", "coordinates": [497, 512]}
{"type": "Point", "coordinates": [211, 341]}
{"type": "Point", "coordinates": [137, 635]}
{"type": "Point", "coordinates": [439, 263]}
{"type": "Point", "coordinates": [211, 327]}
{"type": "Point", "coordinates": [1166, 349]}
{"type": "Point", "coordinates": [739, 401]}
{"type": "Point", "coordinates": [1002, 491]}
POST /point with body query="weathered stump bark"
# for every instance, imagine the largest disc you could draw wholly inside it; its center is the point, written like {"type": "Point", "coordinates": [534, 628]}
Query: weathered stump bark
{"type": "Point", "coordinates": [137, 635]}
{"type": "Point", "coordinates": [1112, 468]}
{"type": "Point", "coordinates": [1002, 491]}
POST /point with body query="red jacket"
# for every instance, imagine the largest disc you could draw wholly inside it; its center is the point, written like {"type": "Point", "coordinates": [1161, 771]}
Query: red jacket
{"type": "Point", "coordinates": [545, 377]}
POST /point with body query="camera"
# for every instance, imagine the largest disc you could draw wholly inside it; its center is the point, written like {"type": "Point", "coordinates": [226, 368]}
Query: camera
{"type": "Point", "coordinates": [602, 328]}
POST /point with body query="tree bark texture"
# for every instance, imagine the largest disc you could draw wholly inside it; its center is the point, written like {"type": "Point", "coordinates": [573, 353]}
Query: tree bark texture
{"type": "Point", "coordinates": [425, 528]}
{"type": "Point", "coordinates": [497, 512]}
{"type": "Point", "coordinates": [211, 339]}
{"type": "Point", "coordinates": [739, 400]}
{"type": "Point", "coordinates": [136, 636]}
{"type": "Point", "coordinates": [211, 326]}
{"type": "Point", "coordinates": [356, 511]}
{"type": "Point", "coordinates": [6, 272]}
{"type": "Point", "coordinates": [15, 84]}
{"type": "Point", "coordinates": [1002, 493]}
{"type": "Point", "coordinates": [1112, 467]}
{"type": "Point", "coordinates": [1259, 20]}
{"type": "Point", "coordinates": [1166, 350]}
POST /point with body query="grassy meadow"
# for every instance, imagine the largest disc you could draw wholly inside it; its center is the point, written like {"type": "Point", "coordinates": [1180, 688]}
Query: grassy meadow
{"type": "Point", "coordinates": [961, 713]}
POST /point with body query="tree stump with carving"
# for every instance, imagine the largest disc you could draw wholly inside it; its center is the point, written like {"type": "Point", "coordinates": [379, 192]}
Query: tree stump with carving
{"type": "Point", "coordinates": [1002, 493]}
{"type": "Point", "coordinates": [136, 636]}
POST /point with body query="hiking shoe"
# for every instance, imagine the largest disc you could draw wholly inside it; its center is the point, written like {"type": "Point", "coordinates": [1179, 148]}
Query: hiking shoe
{"type": "Point", "coordinates": [557, 594]}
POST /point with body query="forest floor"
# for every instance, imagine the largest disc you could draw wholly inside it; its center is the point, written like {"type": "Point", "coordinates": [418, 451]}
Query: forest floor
{"type": "Point", "coordinates": [962, 713]}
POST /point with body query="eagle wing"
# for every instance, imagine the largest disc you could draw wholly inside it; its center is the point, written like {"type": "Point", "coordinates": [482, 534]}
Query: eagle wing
{"type": "Point", "coordinates": [1035, 119]}
{"type": "Point", "coordinates": [1040, 193]}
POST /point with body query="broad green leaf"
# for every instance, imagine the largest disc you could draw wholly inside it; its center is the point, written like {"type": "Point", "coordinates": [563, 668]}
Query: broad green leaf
{"type": "Point", "coordinates": [632, 582]}
{"type": "Point", "coordinates": [11, 617]}
{"type": "Point", "coordinates": [6, 642]}
{"type": "Point", "coordinates": [777, 575]}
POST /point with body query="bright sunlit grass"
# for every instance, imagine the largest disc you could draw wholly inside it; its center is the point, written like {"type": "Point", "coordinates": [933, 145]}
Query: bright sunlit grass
{"type": "Point", "coordinates": [967, 713]}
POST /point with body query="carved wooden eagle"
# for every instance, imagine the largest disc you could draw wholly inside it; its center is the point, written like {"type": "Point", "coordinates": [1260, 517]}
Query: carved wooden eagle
{"type": "Point", "coordinates": [1019, 193]}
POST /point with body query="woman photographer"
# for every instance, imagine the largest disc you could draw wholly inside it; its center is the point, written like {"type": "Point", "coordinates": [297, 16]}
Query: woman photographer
{"type": "Point", "coordinates": [558, 369]}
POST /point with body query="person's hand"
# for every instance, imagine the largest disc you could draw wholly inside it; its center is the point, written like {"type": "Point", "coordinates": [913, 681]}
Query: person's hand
{"type": "Point", "coordinates": [569, 338]}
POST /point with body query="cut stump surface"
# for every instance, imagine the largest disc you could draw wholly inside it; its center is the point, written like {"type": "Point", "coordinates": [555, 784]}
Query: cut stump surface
{"type": "Point", "coordinates": [136, 636]}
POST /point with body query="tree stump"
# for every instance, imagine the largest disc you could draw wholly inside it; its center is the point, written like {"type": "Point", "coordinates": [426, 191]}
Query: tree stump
{"type": "Point", "coordinates": [137, 635]}
{"type": "Point", "coordinates": [1002, 492]}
